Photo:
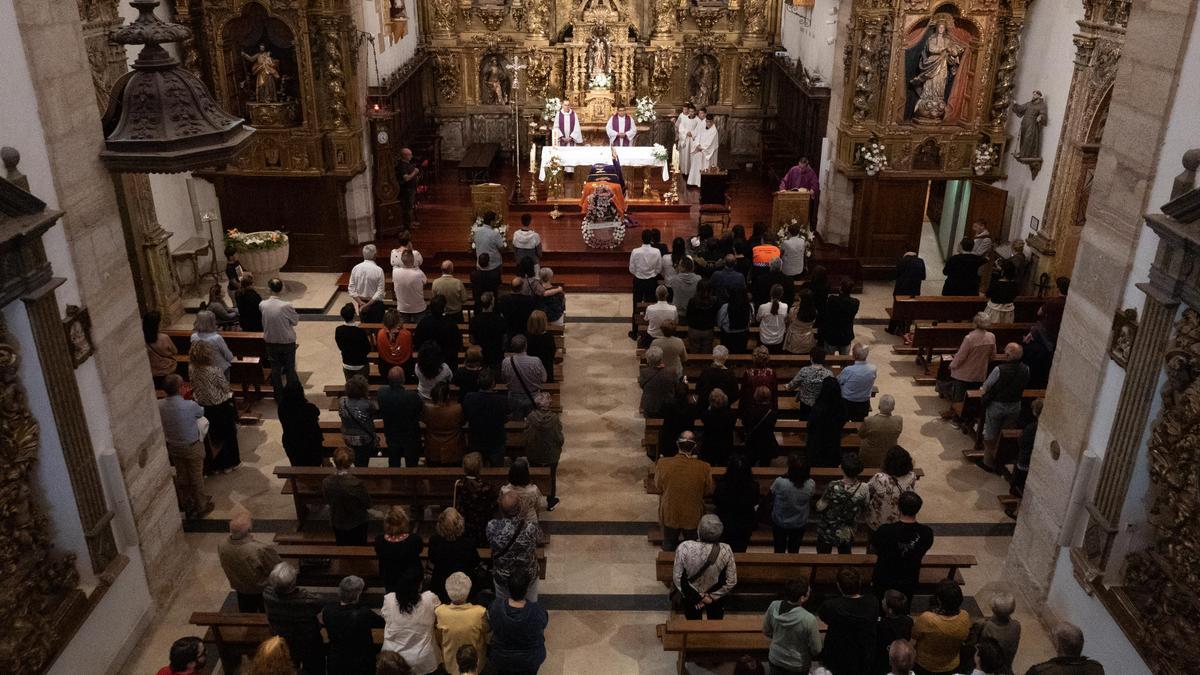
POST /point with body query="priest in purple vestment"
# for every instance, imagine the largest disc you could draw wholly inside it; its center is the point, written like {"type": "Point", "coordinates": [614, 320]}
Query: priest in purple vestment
{"type": "Point", "coordinates": [801, 176]}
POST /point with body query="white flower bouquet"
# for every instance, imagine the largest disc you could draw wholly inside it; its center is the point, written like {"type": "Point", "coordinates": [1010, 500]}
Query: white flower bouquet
{"type": "Point", "coordinates": [550, 109]}
{"type": "Point", "coordinates": [255, 241]}
{"type": "Point", "coordinates": [644, 110]}
{"type": "Point", "coordinates": [659, 152]}
{"type": "Point", "coordinates": [985, 158]}
{"type": "Point", "coordinates": [874, 157]}
{"type": "Point", "coordinates": [600, 81]}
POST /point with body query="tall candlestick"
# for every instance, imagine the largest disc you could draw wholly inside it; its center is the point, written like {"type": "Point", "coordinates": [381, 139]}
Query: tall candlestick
{"type": "Point", "coordinates": [674, 156]}
{"type": "Point", "coordinates": [532, 156]}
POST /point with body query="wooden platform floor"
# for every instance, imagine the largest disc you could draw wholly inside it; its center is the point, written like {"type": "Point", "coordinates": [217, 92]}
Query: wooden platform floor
{"type": "Point", "coordinates": [444, 221]}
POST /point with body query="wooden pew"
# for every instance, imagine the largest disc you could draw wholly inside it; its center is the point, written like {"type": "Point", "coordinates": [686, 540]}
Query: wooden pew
{"type": "Point", "coordinates": [931, 337]}
{"type": "Point", "coordinates": [770, 571]}
{"type": "Point", "coordinates": [326, 537]}
{"type": "Point", "coordinates": [248, 372]}
{"type": "Point", "coordinates": [237, 634]}
{"type": "Point", "coordinates": [324, 565]}
{"type": "Point", "coordinates": [722, 640]}
{"type": "Point", "coordinates": [957, 308]}
{"type": "Point", "coordinates": [766, 475]}
{"type": "Point", "coordinates": [335, 391]}
{"type": "Point", "coordinates": [971, 414]}
{"type": "Point", "coordinates": [416, 487]}
{"type": "Point", "coordinates": [785, 365]}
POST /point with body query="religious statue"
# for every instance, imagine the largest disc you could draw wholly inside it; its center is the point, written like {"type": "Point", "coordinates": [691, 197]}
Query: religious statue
{"type": "Point", "coordinates": [1033, 118]}
{"type": "Point", "coordinates": [397, 10]}
{"type": "Point", "coordinates": [705, 81]}
{"type": "Point", "coordinates": [266, 75]}
{"type": "Point", "coordinates": [664, 16]}
{"type": "Point", "coordinates": [494, 82]}
{"type": "Point", "coordinates": [931, 66]}
{"type": "Point", "coordinates": [598, 57]}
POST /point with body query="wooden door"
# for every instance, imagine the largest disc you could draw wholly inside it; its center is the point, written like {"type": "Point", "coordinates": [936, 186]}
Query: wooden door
{"type": "Point", "coordinates": [987, 204]}
{"type": "Point", "coordinates": [888, 218]}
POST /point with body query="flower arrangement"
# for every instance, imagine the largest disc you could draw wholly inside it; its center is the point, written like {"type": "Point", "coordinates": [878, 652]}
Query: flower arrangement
{"type": "Point", "coordinates": [644, 111]}
{"type": "Point", "coordinates": [600, 81]}
{"type": "Point", "coordinates": [500, 226]}
{"type": "Point", "coordinates": [873, 156]}
{"type": "Point", "coordinates": [985, 158]}
{"type": "Point", "coordinates": [659, 152]}
{"type": "Point", "coordinates": [805, 232]}
{"type": "Point", "coordinates": [255, 241]}
{"type": "Point", "coordinates": [602, 211]}
{"type": "Point", "coordinates": [550, 109]}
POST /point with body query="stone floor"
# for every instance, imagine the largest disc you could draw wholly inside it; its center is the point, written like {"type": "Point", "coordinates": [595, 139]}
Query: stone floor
{"type": "Point", "coordinates": [600, 564]}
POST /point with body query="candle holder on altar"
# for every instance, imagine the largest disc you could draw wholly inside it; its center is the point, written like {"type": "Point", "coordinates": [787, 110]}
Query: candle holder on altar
{"type": "Point", "coordinates": [646, 191]}
{"type": "Point", "coordinates": [672, 196]}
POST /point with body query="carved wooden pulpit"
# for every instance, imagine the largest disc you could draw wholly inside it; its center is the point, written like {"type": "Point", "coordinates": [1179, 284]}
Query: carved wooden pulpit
{"type": "Point", "coordinates": [489, 197]}
{"type": "Point", "coordinates": [789, 205]}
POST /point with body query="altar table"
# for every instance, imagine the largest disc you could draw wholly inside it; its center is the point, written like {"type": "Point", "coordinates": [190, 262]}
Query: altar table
{"type": "Point", "coordinates": [587, 155]}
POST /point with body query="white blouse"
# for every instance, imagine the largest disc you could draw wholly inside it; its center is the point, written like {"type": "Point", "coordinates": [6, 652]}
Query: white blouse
{"type": "Point", "coordinates": [771, 327]}
{"type": "Point", "coordinates": [412, 634]}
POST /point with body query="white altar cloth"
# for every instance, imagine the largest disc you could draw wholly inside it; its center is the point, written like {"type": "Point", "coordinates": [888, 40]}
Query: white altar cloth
{"type": "Point", "coordinates": [587, 155]}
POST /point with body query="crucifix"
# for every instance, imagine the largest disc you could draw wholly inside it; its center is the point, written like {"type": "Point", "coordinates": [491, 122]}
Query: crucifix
{"type": "Point", "coordinates": [515, 68]}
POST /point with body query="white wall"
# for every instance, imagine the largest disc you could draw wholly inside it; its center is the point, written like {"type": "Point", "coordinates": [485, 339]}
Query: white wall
{"type": "Point", "coordinates": [812, 45]}
{"type": "Point", "coordinates": [392, 55]}
{"type": "Point", "coordinates": [115, 623]}
{"type": "Point", "coordinates": [1103, 638]}
{"type": "Point", "coordinates": [1046, 64]}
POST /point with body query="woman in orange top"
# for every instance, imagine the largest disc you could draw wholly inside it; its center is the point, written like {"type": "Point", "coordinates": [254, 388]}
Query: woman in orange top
{"type": "Point", "coordinates": [394, 344]}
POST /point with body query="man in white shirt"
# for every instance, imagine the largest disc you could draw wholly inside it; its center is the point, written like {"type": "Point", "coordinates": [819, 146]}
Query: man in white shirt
{"type": "Point", "coordinates": [279, 320]}
{"type": "Point", "coordinates": [645, 262]}
{"type": "Point", "coordinates": [704, 149]}
{"type": "Point", "coordinates": [792, 250]}
{"type": "Point", "coordinates": [527, 243]}
{"type": "Point", "coordinates": [409, 283]}
{"type": "Point", "coordinates": [621, 128]}
{"type": "Point", "coordinates": [566, 125]}
{"type": "Point", "coordinates": [660, 312]}
{"type": "Point", "coordinates": [686, 127]}
{"type": "Point", "coordinates": [367, 286]}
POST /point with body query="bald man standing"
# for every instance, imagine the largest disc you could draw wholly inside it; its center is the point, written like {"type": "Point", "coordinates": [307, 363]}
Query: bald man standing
{"type": "Point", "coordinates": [247, 563]}
{"type": "Point", "coordinates": [1002, 392]}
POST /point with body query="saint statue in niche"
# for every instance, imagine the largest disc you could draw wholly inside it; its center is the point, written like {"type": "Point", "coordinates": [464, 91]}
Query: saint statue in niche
{"type": "Point", "coordinates": [494, 81]}
{"type": "Point", "coordinates": [930, 68]}
{"type": "Point", "coordinates": [705, 81]}
{"type": "Point", "coordinates": [266, 74]}
{"type": "Point", "coordinates": [1033, 118]}
{"type": "Point", "coordinates": [598, 59]}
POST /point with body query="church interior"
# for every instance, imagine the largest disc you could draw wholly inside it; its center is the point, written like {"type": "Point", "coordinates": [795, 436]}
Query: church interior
{"type": "Point", "coordinates": [876, 153]}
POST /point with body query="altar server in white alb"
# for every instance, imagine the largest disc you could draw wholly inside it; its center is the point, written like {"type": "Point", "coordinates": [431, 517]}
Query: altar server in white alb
{"type": "Point", "coordinates": [686, 128]}
{"type": "Point", "coordinates": [566, 125]}
{"type": "Point", "coordinates": [704, 150]}
{"type": "Point", "coordinates": [621, 128]}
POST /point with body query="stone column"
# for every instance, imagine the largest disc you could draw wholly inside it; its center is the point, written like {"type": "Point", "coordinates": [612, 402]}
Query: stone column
{"type": "Point", "coordinates": [1125, 440]}
{"type": "Point", "coordinates": [55, 357]}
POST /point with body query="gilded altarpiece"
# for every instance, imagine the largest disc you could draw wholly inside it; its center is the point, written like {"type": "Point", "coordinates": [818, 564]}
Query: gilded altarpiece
{"type": "Point", "coordinates": [932, 81]}
{"type": "Point", "coordinates": [1098, 47]}
{"type": "Point", "coordinates": [291, 68]}
{"type": "Point", "coordinates": [710, 52]}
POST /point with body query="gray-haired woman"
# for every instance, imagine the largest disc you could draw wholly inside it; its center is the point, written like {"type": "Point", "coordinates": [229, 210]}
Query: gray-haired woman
{"type": "Point", "coordinates": [704, 571]}
{"type": "Point", "coordinates": [205, 328]}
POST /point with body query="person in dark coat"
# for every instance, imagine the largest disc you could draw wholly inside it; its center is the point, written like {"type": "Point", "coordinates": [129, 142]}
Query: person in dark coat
{"type": "Point", "coordinates": [716, 443]}
{"type": "Point", "coordinates": [443, 330]}
{"type": "Point", "coordinates": [758, 428]}
{"type": "Point", "coordinates": [349, 624]}
{"type": "Point", "coordinates": [850, 618]}
{"type": "Point", "coordinates": [736, 496]}
{"type": "Point", "coordinates": [825, 422]}
{"type": "Point", "coordinates": [962, 270]}
{"type": "Point", "coordinates": [300, 420]}
{"type": "Point", "coordinates": [400, 409]}
{"type": "Point", "coordinates": [452, 550]}
{"type": "Point", "coordinates": [836, 324]}
{"type": "Point", "coordinates": [247, 299]}
{"type": "Point", "coordinates": [910, 272]}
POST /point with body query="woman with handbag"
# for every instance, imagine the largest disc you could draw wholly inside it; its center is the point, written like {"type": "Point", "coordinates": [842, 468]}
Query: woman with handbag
{"type": "Point", "coordinates": [840, 507]}
{"type": "Point", "coordinates": [357, 413]}
{"type": "Point", "coordinates": [704, 572]}
{"type": "Point", "coordinates": [210, 389]}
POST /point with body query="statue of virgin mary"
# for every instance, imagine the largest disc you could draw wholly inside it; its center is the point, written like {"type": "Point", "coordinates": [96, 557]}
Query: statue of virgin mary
{"type": "Point", "coordinates": [930, 66]}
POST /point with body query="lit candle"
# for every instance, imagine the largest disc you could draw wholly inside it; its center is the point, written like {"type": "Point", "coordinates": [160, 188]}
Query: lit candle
{"type": "Point", "coordinates": [675, 157]}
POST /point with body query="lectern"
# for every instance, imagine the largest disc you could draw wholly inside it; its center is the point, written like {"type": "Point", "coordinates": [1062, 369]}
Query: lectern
{"type": "Point", "coordinates": [489, 197]}
{"type": "Point", "coordinates": [790, 205]}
